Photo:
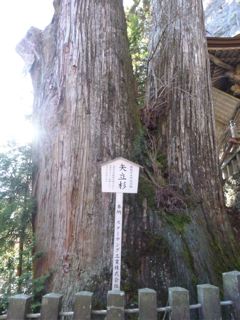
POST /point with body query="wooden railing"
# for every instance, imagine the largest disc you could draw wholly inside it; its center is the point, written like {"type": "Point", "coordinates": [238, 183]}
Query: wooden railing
{"type": "Point", "coordinates": [231, 166]}
{"type": "Point", "coordinates": [229, 149]}
{"type": "Point", "coordinates": [208, 304]}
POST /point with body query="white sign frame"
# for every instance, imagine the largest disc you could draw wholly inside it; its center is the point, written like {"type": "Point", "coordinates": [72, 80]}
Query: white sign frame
{"type": "Point", "coordinates": [120, 175]}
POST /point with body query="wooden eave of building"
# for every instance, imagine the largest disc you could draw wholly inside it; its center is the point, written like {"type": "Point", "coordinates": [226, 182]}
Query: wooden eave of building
{"type": "Point", "coordinates": [226, 51]}
{"type": "Point", "coordinates": [225, 106]}
{"type": "Point", "coordinates": [224, 54]}
{"type": "Point", "coordinates": [226, 43]}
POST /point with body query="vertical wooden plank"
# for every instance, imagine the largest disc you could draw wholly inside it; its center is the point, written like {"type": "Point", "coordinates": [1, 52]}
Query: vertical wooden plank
{"type": "Point", "coordinates": [147, 302]}
{"type": "Point", "coordinates": [82, 306]}
{"type": "Point", "coordinates": [19, 306]}
{"type": "Point", "coordinates": [115, 305]}
{"type": "Point", "coordinates": [229, 170]}
{"type": "Point", "coordinates": [51, 306]}
{"type": "Point", "coordinates": [238, 160]}
{"type": "Point", "coordinates": [179, 303]}
{"type": "Point", "coordinates": [231, 287]}
{"type": "Point", "coordinates": [208, 296]}
{"type": "Point", "coordinates": [224, 173]}
{"type": "Point", "coordinates": [234, 166]}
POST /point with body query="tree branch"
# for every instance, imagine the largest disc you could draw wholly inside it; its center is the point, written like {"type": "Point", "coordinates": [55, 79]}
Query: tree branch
{"type": "Point", "coordinates": [220, 63]}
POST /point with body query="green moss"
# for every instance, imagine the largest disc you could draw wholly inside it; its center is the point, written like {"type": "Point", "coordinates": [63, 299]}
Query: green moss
{"type": "Point", "coordinates": [130, 270]}
{"type": "Point", "coordinates": [177, 221]}
{"type": "Point", "coordinates": [224, 260]}
{"type": "Point", "coordinates": [139, 145]}
{"type": "Point", "coordinates": [131, 260]}
{"type": "Point", "coordinates": [147, 191]}
{"type": "Point", "coordinates": [188, 257]}
{"type": "Point", "coordinates": [130, 287]}
{"type": "Point", "coordinates": [155, 245]}
{"type": "Point", "coordinates": [162, 161]}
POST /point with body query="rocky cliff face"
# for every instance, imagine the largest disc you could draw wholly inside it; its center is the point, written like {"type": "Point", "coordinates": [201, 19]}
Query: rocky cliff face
{"type": "Point", "coordinates": [222, 17]}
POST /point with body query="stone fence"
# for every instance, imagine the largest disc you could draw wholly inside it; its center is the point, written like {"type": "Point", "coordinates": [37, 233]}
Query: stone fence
{"type": "Point", "coordinates": [209, 306]}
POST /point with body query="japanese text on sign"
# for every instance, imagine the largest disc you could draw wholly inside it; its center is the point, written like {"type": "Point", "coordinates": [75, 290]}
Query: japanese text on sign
{"type": "Point", "coordinates": [117, 243]}
{"type": "Point", "coordinates": [121, 176]}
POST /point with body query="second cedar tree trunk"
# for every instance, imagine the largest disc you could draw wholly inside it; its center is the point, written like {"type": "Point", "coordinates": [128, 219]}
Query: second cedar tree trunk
{"type": "Point", "coordinates": [180, 123]}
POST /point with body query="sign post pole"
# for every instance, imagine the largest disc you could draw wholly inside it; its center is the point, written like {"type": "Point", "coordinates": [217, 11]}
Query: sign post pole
{"type": "Point", "coordinates": [117, 246]}
{"type": "Point", "coordinates": [119, 176]}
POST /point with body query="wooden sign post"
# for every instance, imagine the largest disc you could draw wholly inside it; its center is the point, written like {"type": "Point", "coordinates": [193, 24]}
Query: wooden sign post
{"type": "Point", "coordinates": [119, 176]}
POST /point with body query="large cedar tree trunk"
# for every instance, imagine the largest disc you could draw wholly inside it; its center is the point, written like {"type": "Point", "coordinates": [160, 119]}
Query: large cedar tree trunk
{"type": "Point", "coordinates": [180, 124]}
{"type": "Point", "coordinates": [84, 111]}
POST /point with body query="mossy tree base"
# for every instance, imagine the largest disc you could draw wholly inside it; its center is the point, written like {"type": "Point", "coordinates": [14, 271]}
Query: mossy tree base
{"type": "Point", "coordinates": [163, 249]}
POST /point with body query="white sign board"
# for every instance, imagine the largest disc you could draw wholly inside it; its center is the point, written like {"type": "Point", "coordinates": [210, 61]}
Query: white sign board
{"type": "Point", "coordinates": [120, 175]}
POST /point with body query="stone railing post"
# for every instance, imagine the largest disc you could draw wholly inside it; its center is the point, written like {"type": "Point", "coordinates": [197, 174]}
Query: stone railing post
{"type": "Point", "coordinates": [231, 287]}
{"type": "Point", "coordinates": [115, 305]}
{"type": "Point", "coordinates": [82, 306]}
{"type": "Point", "coordinates": [208, 297]}
{"type": "Point", "coordinates": [147, 302]}
{"type": "Point", "coordinates": [51, 306]}
{"type": "Point", "coordinates": [19, 306]}
{"type": "Point", "coordinates": [179, 303]}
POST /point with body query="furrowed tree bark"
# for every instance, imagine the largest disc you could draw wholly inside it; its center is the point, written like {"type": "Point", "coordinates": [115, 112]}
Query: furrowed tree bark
{"type": "Point", "coordinates": [179, 79]}
{"type": "Point", "coordinates": [84, 111]}
{"type": "Point", "coordinates": [181, 125]}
